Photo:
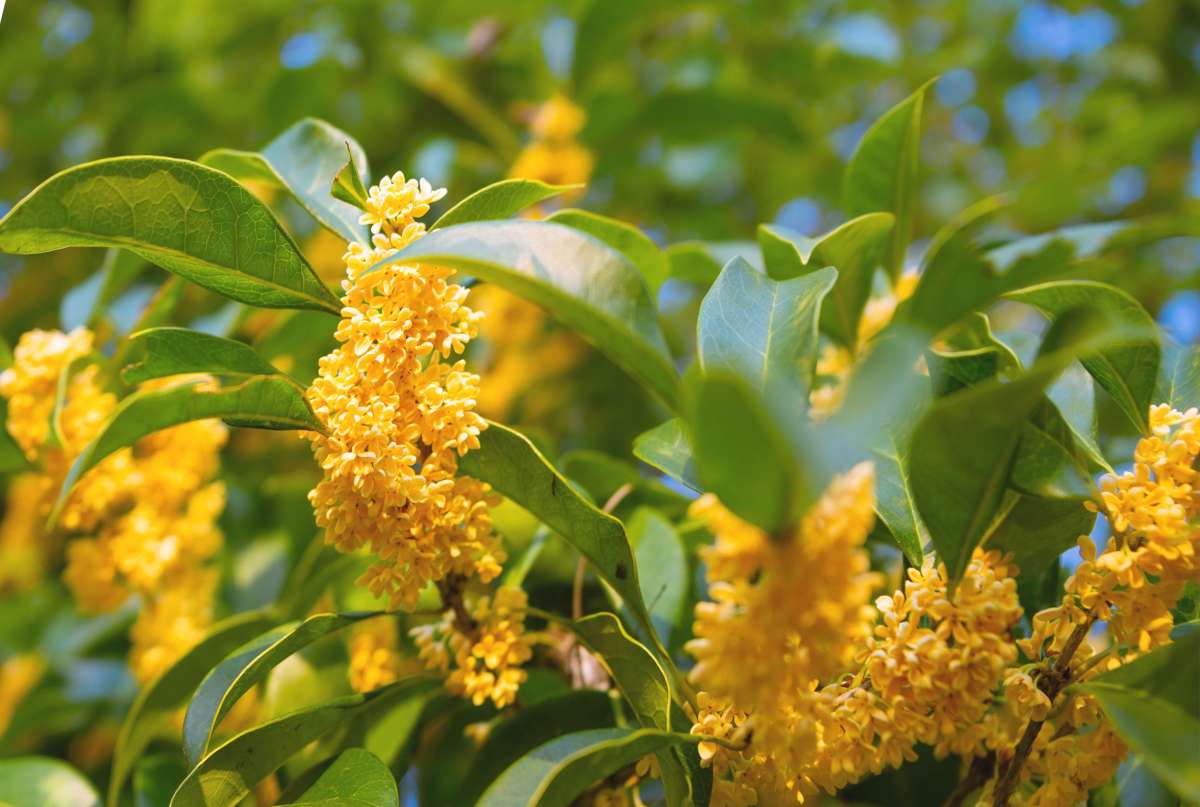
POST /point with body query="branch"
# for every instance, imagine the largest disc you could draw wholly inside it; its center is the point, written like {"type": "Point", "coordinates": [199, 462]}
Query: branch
{"type": "Point", "coordinates": [977, 776]}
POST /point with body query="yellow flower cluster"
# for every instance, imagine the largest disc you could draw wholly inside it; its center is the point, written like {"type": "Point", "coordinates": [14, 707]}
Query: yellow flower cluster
{"type": "Point", "coordinates": [130, 542]}
{"type": "Point", "coordinates": [375, 657]}
{"type": "Point", "coordinates": [835, 361]}
{"type": "Point", "coordinates": [1132, 586]}
{"type": "Point", "coordinates": [399, 411]}
{"type": "Point", "coordinates": [770, 635]}
{"type": "Point", "coordinates": [483, 658]}
{"type": "Point", "coordinates": [553, 155]}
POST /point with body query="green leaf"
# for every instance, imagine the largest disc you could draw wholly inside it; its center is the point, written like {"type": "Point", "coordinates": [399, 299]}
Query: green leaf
{"type": "Point", "coordinates": [153, 712]}
{"type": "Point", "coordinates": [349, 183]}
{"type": "Point", "coordinates": [509, 463]}
{"type": "Point", "coordinates": [854, 249]}
{"type": "Point", "coordinates": [693, 262]}
{"type": "Point", "coordinates": [304, 160]}
{"type": "Point", "coordinates": [662, 569]}
{"type": "Point", "coordinates": [228, 773]}
{"type": "Point", "coordinates": [557, 772]}
{"type": "Point", "coordinates": [745, 458]}
{"type": "Point", "coordinates": [304, 337]}
{"type": "Point", "coordinates": [264, 402]}
{"type": "Point", "coordinates": [962, 451]}
{"type": "Point", "coordinates": [174, 351]}
{"type": "Point", "coordinates": [156, 778]}
{"type": "Point", "coordinates": [183, 216]}
{"type": "Point", "coordinates": [1048, 462]}
{"type": "Point", "coordinates": [666, 448]}
{"type": "Point", "coordinates": [1074, 395]}
{"type": "Point", "coordinates": [639, 675]}
{"type": "Point", "coordinates": [44, 782]}
{"type": "Point", "coordinates": [590, 287]}
{"type": "Point", "coordinates": [1037, 530]}
{"type": "Point", "coordinates": [602, 475]}
{"type": "Point", "coordinates": [246, 667]}
{"type": "Point", "coordinates": [511, 739]}
{"type": "Point", "coordinates": [500, 200]}
{"type": "Point", "coordinates": [1128, 369]}
{"type": "Point", "coordinates": [357, 778]}
{"type": "Point", "coordinates": [882, 172]}
{"type": "Point", "coordinates": [624, 238]}
{"type": "Point", "coordinates": [894, 501]}
{"type": "Point", "coordinates": [763, 329]}
{"type": "Point", "coordinates": [1179, 384]}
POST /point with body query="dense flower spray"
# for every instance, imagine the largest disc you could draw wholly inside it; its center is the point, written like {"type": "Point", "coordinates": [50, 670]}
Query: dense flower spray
{"type": "Point", "coordinates": [127, 542]}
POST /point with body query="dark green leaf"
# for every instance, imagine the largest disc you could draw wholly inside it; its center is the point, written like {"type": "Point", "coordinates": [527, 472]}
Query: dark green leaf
{"type": "Point", "coordinates": [156, 778]}
{"type": "Point", "coordinates": [763, 329]}
{"type": "Point", "coordinates": [500, 200]}
{"type": "Point", "coordinates": [882, 173]}
{"type": "Point", "coordinates": [557, 772]}
{"type": "Point", "coordinates": [509, 463]}
{"type": "Point", "coordinates": [266, 402]}
{"type": "Point", "coordinates": [174, 351]}
{"type": "Point", "coordinates": [624, 238]}
{"type": "Point", "coordinates": [1048, 463]}
{"type": "Point", "coordinates": [356, 778]}
{"type": "Point", "coordinates": [1036, 530]}
{"type": "Point", "coordinates": [666, 448]}
{"type": "Point", "coordinates": [590, 287]}
{"type": "Point", "coordinates": [894, 501]}
{"type": "Point", "coordinates": [183, 216]}
{"type": "Point", "coordinates": [304, 160]}
{"type": "Point", "coordinates": [1127, 370]}
{"type": "Point", "coordinates": [153, 712]}
{"type": "Point", "coordinates": [511, 739]}
{"type": "Point", "coordinates": [246, 667]}
{"type": "Point", "coordinates": [44, 782]}
{"type": "Point", "coordinates": [227, 774]}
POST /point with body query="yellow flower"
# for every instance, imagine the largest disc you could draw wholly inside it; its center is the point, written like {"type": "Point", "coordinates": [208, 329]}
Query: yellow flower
{"type": "Point", "coordinates": [23, 554]}
{"type": "Point", "coordinates": [18, 676]}
{"type": "Point", "coordinates": [30, 384]}
{"type": "Point", "coordinates": [375, 658]}
{"type": "Point", "coordinates": [552, 155]}
{"type": "Point", "coordinates": [484, 659]}
{"type": "Point", "coordinates": [171, 621]}
{"type": "Point", "coordinates": [399, 411]}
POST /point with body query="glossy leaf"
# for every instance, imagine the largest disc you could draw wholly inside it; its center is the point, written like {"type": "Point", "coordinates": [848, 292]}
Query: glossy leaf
{"type": "Point", "coordinates": [185, 217]}
{"type": "Point", "coordinates": [509, 463]}
{"type": "Point", "coordinates": [1127, 370]}
{"type": "Point", "coordinates": [662, 569]}
{"type": "Point", "coordinates": [349, 183]}
{"type": "Point", "coordinates": [228, 773]}
{"type": "Point", "coordinates": [500, 200]}
{"type": "Point", "coordinates": [532, 726]}
{"type": "Point", "coordinates": [357, 778]}
{"type": "Point", "coordinates": [44, 782]}
{"type": "Point", "coordinates": [304, 160]}
{"type": "Point", "coordinates": [882, 172]}
{"type": "Point", "coordinates": [1037, 530]}
{"type": "Point", "coordinates": [174, 351]}
{"type": "Point", "coordinates": [764, 330]}
{"type": "Point", "coordinates": [1179, 384]}
{"type": "Point", "coordinates": [246, 667]}
{"type": "Point", "coordinates": [894, 501]}
{"type": "Point", "coordinates": [153, 711]}
{"type": "Point", "coordinates": [624, 238]}
{"type": "Point", "coordinates": [1048, 461]}
{"type": "Point", "coordinates": [1073, 394]}
{"type": "Point", "coordinates": [557, 772]}
{"type": "Point", "coordinates": [666, 448]}
{"type": "Point", "coordinates": [635, 670]}
{"type": "Point", "coordinates": [590, 287]}
{"type": "Point", "coordinates": [264, 402]}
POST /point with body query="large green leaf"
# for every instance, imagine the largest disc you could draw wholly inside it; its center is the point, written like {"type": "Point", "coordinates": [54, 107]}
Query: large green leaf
{"type": "Point", "coordinates": [1037, 530]}
{"type": "Point", "coordinates": [513, 466]}
{"type": "Point", "coordinates": [1127, 370]}
{"type": "Point", "coordinates": [44, 782]}
{"type": "Point", "coordinates": [228, 773]}
{"type": "Point", "coordinates": [1049, 463]}
{"type": "Point", "coordinates": [1162, 732]}
{"type": "Point", "coordinates": [500, 200]}
{"type": "Point", "coordinates": [962, 451]}
{"type": "Point", "coordinates": [624, 238]}
{"type": "Point", "coordinates": [172, 351]}
{"type": "Point", "coordinates": [511, 739]}
{"type": "Point", "coordinates": [854, 249]}
{"type": "Point", "coordinates": [580, 280]}
{"type": "Point", "coordinates": [662, 569]}
{"type": "Point", "coordinates": [557, 772]}
{"type": "Point", "coordinates": [357, 778]}
{"type": "Point", "coordinates": [1179, 384]}
{"type": "Point", "coordinates": [185, 217]}
{"type": "Point", "coordinates": [303, 160]}
{"type": "Point", "coordinates": [882, 172]}
{"type": "Point", "coordinates": [1074, 395]}
{"type": "Point", "coordinates": [245, 667]}
{"type": "Point", "coordinates": [602, 475]}
{"type": "Point", "coordinates": [764, 329]}
{"type": "Point", "coordinates": [894, 501]}
{"type": "Point", "coordinates": [666, 448]}
{"type": "Point", "coordinates": [154, 710]}
{"type": "Point", "coordinates": [266, 402]}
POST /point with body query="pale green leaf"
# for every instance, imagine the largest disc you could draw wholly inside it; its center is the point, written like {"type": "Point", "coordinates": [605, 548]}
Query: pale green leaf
{"type": "Point", "coordinates": [500, 200]}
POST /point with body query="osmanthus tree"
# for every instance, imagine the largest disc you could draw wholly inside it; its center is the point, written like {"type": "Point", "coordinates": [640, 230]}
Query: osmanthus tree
{"type": "Point", "coordinates": [833, 570]}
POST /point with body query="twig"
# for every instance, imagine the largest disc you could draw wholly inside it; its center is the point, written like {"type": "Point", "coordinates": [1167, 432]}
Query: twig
{"type": "Point", "coordinates": [1052, 683]}
{"type": "Point", "coordinates": [977, 776]}
{"type": "Point", "coordinates": [615, 499]}
{"type": "Point", "coordinates": [451, 589]}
